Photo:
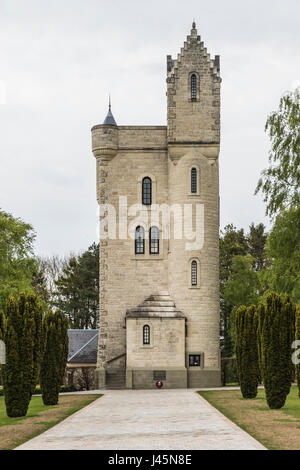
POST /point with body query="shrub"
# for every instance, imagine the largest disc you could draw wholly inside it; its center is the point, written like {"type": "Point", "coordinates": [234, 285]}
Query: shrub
{"type": "Point", "coordinates": [19, 341]}
{"type": "Point", "coordinates": [229, 370]}
{"type": "Point", "coordinates": [55, 340]}
{"type": "Point", "coordinates": [297, 337]}
{"type": "Point", "coordinates": [277, 336]}
{"type": "Point", "coordinates": [246, 350]}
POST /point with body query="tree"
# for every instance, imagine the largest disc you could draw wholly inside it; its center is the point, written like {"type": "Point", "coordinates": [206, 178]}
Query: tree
{"type": "Point", "coordinates": [78, 289]}
{"type": "Point", "coordinates": [55, 340]}
{"type": "Point", "coordinates": [49, 269]}
{"type": "Point", "coordinates": [277, 336]}
{"type": "Point", "coordinates": [246, 350]}
{"type": "Point", "coordinates": [19, 368]}
{"type": "Point", "coordinates": [16, 257]}
{"type": "Point", "coordinates": [283, 251]}
{"type": "Point", "coordinates": [257, 239]}
{"type": "Point", "coordinates": [232, 242]}
{"type": "Point", "coordinates": [297, 337]}
{"type": "Point", "coordinates": [280, 183]}
{"type": "Point", "coordinates": [242, 285]}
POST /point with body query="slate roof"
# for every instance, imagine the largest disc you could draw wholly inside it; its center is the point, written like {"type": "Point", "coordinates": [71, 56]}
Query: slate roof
{"type": "Point", "coordinates": [83, 345]}
{"type": "Point", "coordinates": [110, 120]}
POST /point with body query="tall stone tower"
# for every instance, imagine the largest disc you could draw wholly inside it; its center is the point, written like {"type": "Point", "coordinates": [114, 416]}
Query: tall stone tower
{"type": "Point", "coordinates": [159, 277]}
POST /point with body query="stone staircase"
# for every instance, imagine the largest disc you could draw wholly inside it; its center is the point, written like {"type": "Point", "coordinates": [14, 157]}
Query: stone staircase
{"type": "Point", "coordinates": [115, 379]}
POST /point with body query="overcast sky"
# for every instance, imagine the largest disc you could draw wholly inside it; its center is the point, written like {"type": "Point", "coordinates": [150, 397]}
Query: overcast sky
{"type": "Point", "coordinates": [59, 59]}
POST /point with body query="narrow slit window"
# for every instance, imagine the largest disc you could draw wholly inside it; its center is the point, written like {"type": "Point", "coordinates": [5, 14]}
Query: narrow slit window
{"type": "Point", "coordinates": [154, 241]}
{"type": "Point", "coordinates": [147, 191]}
{"type": "Point", "coordinates": [194, 273]}
{"type": "Point", "coordinates": [194, 180]}
{"type": "Point", "coordinates": [139, 241]}
{"type": "Point", "coordinates": [146, 334]}
{"type": "Point", "coordinates": [193, 87]}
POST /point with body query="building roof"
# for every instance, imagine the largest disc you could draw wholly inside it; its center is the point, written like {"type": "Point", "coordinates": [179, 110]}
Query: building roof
{"type": "Point", "coordinates": [156, 306]}
{"type": "Point", "coordinates": [110, 120]}
{"type": "Point", "coordinates": [83, 346]}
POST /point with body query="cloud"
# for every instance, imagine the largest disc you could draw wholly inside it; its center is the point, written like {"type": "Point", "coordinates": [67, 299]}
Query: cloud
{"type": "Point", "coordinates": [60, 60]}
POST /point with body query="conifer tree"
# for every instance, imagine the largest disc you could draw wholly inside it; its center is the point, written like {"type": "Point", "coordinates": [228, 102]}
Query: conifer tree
{"type": "Point", "coordinates": [246, 350]}
{"type": "Point", "coordinates": [297, 337]}
{"type": "Point", "coordinates": [260, 315]}
{"type": "Point", "coordinates": [277, 336]}
{"type": "Point", "coordinates": [55, 338]}
{"type": "Point", "coordinates": [19, 341]}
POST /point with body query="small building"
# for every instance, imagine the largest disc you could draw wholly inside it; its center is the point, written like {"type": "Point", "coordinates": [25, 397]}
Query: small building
{"type": "Point", "coordinates": [82, 358]}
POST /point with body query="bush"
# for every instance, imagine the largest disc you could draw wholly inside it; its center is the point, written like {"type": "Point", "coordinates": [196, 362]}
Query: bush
{"type": "Point", "coordinates": [277, 336]}
{"type": "Point", "coordinates": [229, 370]}
{"type": "Point", "coordinates": [55, 340]}
{"type": "Point", "coordinates": [246, 350]}
{"type": "Point", "coordinates": [297, 337]}
{"type": "Point", "coordinates": [19, 339]}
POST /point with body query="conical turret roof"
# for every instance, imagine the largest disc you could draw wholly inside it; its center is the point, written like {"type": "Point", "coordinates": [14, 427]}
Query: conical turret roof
{"type": "Point", "coordinates": [110, 120]}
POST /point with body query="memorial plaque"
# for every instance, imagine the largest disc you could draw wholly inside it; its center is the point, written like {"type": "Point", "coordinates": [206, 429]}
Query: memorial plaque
{"type": "Point", "coordinates": [2, 352]}
{"type": "Point", "coordinates": [159, 375]}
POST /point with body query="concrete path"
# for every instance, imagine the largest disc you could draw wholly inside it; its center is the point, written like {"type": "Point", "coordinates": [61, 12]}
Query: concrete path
{"type": "Point", "coordinates": [145, 419]}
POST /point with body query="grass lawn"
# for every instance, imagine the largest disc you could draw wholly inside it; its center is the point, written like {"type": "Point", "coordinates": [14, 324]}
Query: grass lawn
{"type": "Point", "coordinates": [39, 418]}
{"type": "Point", "coordinates": [275, 429]}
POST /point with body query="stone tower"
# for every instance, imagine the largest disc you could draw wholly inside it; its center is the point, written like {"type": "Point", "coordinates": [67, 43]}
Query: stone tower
{"type": "Point", "coordinates": [159, 278]}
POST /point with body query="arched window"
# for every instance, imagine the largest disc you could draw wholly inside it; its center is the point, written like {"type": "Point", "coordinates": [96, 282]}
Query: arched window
{"type": "Point", "coordinates": [147, 191]}
{"type": "Point", "coordinates": [146, 334]}
{"type": "Point", "coordinates": [194, 279]}
{"type": "Point", "coordinates": [193, 87]}
{"type": "Point", "coordinates": [139, 240]}
{"type": "Point", "coordinates": [194, 180]}
{"type": "Point", "coordinates": [154, 241]}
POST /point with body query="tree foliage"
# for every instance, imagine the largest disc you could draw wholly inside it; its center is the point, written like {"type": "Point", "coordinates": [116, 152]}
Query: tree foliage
{"type": "Point", "coordinates": [17, 263]}
{"type": "Point", "coordinates": [22, 352]}
{"type": "Point", "coordinates": [280, 183]}
{"type": "Point", "coordinates": [277, 336]}
{"type": "Point", "coordinates": [283, 251]}
{"type": "Point", "coordinates": [77, 293]}
{"type": "Point", "coordinates": [235, 245]}
{"type": "Point", "coordinates": [297, 338]}
{"type": "Point", "coordinates": [246, 350]}
{"type": "Point", "coordinates": [55, 354]}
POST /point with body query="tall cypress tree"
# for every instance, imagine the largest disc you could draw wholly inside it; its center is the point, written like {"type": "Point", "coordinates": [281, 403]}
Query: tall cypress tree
{"type": "Point", "coordinates": [246, 350]}
{"type": "Point", "coordinates": [276, 346]}
{"type": "Point", "coordinates": [297, 337]}
{"type": "Point", "coordinates": [55, 338]}
{"type": "Point", "coordinates": [260, 316]}
{"type": "Point", "coordinates": [37, 309]}
{"type": "Point", "coordinates": [18, 370]}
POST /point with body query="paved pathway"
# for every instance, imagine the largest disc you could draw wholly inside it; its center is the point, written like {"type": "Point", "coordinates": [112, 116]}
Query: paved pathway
{"type": "Point", "coordinates": [145, 419]}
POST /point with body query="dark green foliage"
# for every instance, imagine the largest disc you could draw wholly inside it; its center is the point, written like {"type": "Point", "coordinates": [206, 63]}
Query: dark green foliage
{"type": "Point", "coordinates": [16, 257]}
{"type": "Point", "coordinates": [236, 267]}
{"type": "Point", "coordinates": [260, 315]}
{"type": "Point", "coordinates": [229, 372]}
{"type": "Point", "coordinates": [37, 309]}
{"type": "Point", "coordinates": [277, 336]}
{"type": "Point", "coordinates": [283, 250]}
{"type": "Point", "coordinates": [297, 337]}
{"type": "Point", "coordinates": [280, 183]}
{"type": "Point", "coordinates": [246, 350]}
{"type": "Point", "coordinates": [19, 367]}
{"type": "Point", "coordinates": [55, 339]}
{"type": "Point", "coordinates": [77, 289]}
